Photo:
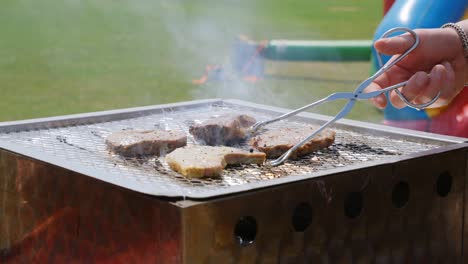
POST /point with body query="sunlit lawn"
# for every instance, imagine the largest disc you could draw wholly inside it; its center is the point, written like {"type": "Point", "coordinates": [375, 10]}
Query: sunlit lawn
{"type": "Point", "coordinates": [63, 57]}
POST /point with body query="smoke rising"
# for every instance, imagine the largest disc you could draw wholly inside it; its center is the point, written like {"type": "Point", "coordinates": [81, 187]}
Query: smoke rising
{"type": "Point", "coordinates": [204, 33]}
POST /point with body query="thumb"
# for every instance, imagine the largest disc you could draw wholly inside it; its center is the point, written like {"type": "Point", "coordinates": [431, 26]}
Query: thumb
{"type": "Point", "coordinates": [394, 45]}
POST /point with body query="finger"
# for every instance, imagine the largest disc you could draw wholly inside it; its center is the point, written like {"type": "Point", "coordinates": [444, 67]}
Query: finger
{"type": "Point", "coordinates": [394, 45]}
{"type": "Point", "coordinates": [379, 101]}
{"type": "Point", "coordinates": [437, 76]}
{"type": "Point", "coordinates": [448, 89]}
{"type": "Point", "coordinates": [379, 83]}
{"type": "Point", "coordinates": [392, 76]}
{"type": "Point", "coordinates": [412, 90]}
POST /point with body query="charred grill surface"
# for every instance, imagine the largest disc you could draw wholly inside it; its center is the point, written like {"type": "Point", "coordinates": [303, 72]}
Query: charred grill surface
{"type": "Point", "coordinates": [80, 146]}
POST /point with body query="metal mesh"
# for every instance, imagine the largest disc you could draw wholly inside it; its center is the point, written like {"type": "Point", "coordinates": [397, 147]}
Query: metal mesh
{"type": "Point", "coordinates": [84, 146]}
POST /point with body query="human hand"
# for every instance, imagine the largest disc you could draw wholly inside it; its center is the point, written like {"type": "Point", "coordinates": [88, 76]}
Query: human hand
{"type": "Point", "coordinates": [437, 64]}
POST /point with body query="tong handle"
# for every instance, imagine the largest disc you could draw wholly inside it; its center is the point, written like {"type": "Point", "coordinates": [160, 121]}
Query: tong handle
{"type": "Point", "coordinates": [395, 87]}
{"type": "Point", "coordinates": [385, 67]}
{"type": "Point", "coordinates": [335, 96]}
{"type": "Point", "coordinates": [360, 88]}
{"type": "Point", "coordinates": [260, 124]}
{"type": "Point", "coordinates": [389, 64]}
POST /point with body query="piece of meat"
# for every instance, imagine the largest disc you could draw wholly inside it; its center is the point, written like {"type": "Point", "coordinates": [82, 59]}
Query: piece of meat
{"type": "Point", "coordinates": [276, 142]}
{"type": "Point", "coordinates": [226, 129]}
{"type": "Point", "coordinates": [131, 143]}
{"type": "Point", "coordinates": [209, 161]}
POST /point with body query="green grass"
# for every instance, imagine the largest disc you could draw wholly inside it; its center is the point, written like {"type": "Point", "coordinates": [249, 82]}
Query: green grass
{"type": "Point", "coordinates": [64, 57]}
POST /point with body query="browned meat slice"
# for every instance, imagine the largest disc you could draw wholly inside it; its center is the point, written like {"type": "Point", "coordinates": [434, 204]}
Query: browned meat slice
{"type": "Point", "coordinates": [131, 143]}
{"type": "Point", "coordinates": [276, 142]}
{"type": "Point", "coordinates": [209, 161]}
{"type": "Point", "coordinates": [223, 130]}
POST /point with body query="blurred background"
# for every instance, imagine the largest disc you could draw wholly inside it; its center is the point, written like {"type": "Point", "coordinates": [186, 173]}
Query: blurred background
{"type": "Point", "coordinates": [76, 56]}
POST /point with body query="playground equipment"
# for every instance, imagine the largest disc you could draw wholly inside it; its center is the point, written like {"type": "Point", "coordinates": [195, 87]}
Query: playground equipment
{"type": "Point", "coordinates": [248, 57]}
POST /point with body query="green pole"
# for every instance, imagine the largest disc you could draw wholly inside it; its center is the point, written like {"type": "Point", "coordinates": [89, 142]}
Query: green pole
{"type": "Point", "coordinates": [320, 50]}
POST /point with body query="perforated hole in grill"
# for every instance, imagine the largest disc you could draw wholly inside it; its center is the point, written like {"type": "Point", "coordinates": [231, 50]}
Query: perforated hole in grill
{"type": "Point", "coordinates": [444, 184]}
{"type": "Point", "coordinates": [245, 230]}
{"type": "Point", "coordinates": [302, 217]}
{"type": "Point", "coordinates": [84, 146]}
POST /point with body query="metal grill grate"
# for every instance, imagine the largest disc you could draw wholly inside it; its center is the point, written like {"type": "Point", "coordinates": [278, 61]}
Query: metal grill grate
{"type": "Point", "coordinates": [82, 148]}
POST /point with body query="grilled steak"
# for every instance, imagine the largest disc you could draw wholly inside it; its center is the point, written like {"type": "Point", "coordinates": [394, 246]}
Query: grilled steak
{"type": "Point", "coordinates": [276, 142]}
{"type": "Point", "coordinates": [131, 143]}
{"type": "Point", "coordinates": [223, 130]}
{"type": "Point", "coordinates": [209, 161]}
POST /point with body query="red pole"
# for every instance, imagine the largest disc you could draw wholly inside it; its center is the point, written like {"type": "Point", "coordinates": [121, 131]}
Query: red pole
{"type": "Point", "coordinates": [387, 4]}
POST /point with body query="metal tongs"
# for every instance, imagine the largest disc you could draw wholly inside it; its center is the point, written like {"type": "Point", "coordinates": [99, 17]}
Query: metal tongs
{"type": "Point", "coordinates": [351, 97]}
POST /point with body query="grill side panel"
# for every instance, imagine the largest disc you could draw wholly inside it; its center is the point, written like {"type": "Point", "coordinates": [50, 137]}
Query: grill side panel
{"type": "Point", "coordinates": [408, 215]}
{"type": "Point", "coordinates": [51, 215]}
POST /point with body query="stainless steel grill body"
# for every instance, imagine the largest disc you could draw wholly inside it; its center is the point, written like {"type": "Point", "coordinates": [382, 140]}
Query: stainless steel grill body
{"type": "Point", "coordinates": [378, 195]}
{"type": "Point", "coordinates": [78, 143]}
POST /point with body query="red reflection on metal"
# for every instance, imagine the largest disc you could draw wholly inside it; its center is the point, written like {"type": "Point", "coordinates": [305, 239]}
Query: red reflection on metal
{"type": "Point", "coordinates": [65, 238]}
{"type": "Point", "coordinates": [47, 235]}
{"type": "Point", "coordinates": [75, 219]}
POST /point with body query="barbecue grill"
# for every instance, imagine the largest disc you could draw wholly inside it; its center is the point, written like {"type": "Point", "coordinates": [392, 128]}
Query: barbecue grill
{"type": "Point", "coordinates": [378, 195]}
